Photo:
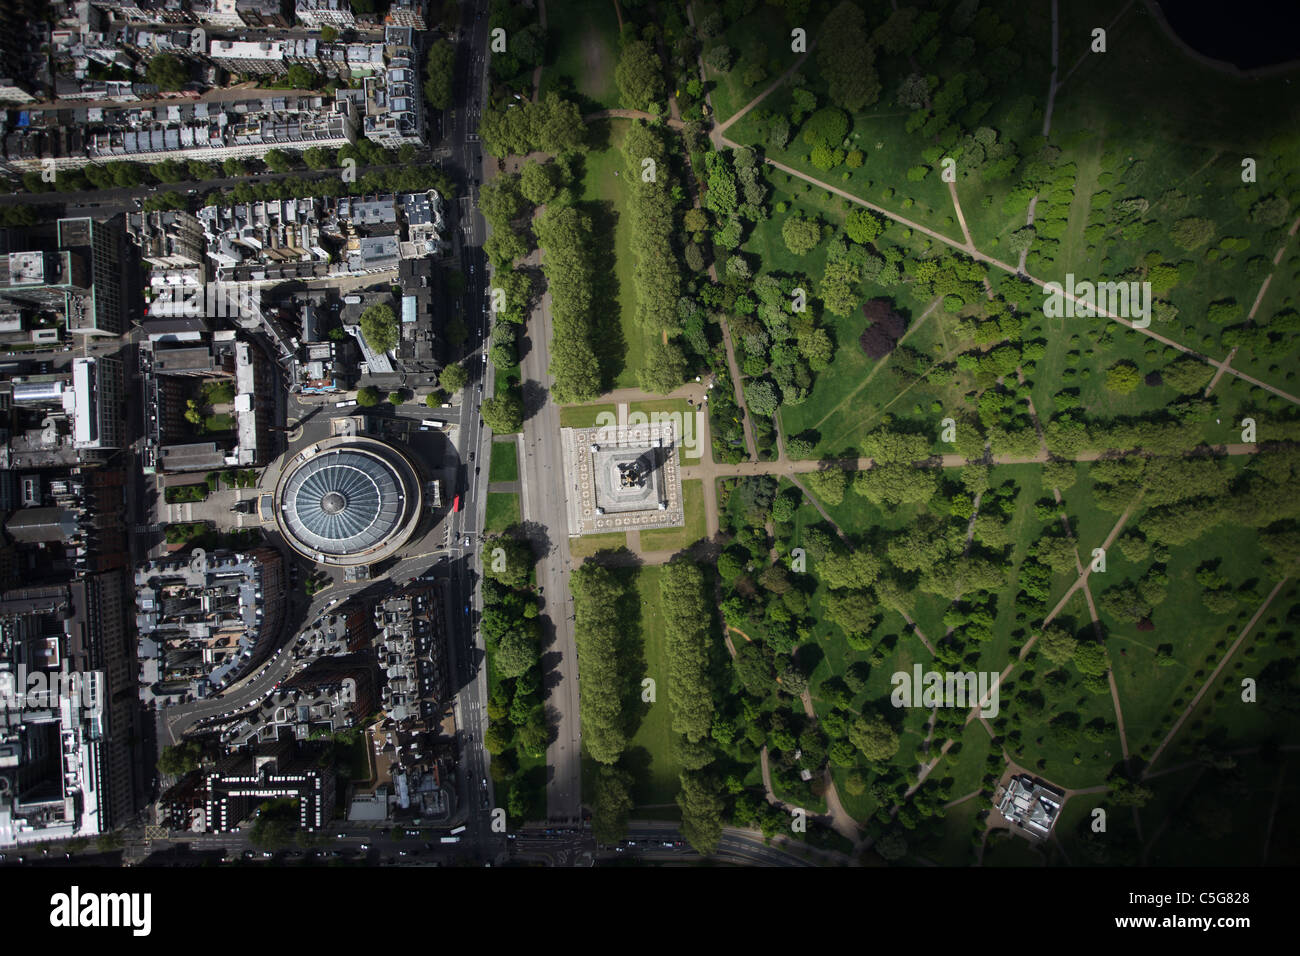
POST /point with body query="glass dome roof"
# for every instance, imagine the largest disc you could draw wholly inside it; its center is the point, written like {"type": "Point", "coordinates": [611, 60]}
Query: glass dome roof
{"type": "Point", "coordinates": [343, 502]}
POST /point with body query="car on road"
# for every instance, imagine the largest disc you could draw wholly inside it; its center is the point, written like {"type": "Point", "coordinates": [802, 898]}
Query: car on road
{"type": "Point", "coordinates": [465, 544]}
{"type": "Point", "coordinates": [471, 456]}
{"type": "Point", "coordinates": [364, 846]}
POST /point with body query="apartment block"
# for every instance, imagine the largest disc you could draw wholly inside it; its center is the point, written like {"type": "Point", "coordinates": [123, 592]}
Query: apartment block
{"type": "Point", "coordinates": [319, 13]}
{"type": "Point", "coordinates": [206, 618]}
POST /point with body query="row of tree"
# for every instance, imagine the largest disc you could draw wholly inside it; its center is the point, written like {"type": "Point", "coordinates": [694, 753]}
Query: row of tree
{"type": "Point", "coordinates": [512, 637]}
{"type": "Point", "coordinates": [565, 235]}
{"type": "Point", "coordinates": [600, 602]}
{"type": "Point", "coordinates": [656, 274]}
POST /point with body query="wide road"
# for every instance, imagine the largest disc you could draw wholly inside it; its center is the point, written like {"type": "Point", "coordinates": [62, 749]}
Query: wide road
{"type": "Point", "coordinates": [544, 510]}
{"type": "Point", "coordinates": [474, 439]}
{"type": "Point", "coordinates": [542, 469]}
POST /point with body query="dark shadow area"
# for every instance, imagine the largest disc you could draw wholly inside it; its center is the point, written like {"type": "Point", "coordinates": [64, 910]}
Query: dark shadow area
{"type": "Point", "coordinates": [607, 340]}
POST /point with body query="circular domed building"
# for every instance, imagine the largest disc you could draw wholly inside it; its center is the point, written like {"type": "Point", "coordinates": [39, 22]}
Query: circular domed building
{"type": "Point", "coordinates": [348, 501]}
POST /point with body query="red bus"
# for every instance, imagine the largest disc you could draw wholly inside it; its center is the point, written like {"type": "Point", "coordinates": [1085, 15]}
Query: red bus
{"type": "Point", "coordinates": [455, 505]}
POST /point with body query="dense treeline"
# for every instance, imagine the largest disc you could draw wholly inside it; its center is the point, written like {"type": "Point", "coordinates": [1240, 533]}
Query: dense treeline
{"type": "Point", "coordinates": [688, 615]}
{"type": "Point", "coordinates": [439, 73]}
{"type": "Point", "coordinates": [656, 273]}
{"type": "Point", "coordinates": [564, 234]}
{"type": "Point", "coordinates": [639, 76]}
{"type": "Point", "coordinates": [511, 69]}
{"type": "Point", "coordinates": [552, 125]}
{"type": "Point", "coordinates": [601, 599]}
{"type": "Point", "coordinates": [512, 636]}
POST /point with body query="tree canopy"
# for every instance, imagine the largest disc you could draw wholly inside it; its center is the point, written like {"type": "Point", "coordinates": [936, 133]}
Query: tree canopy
{"type": "Point", "coordinates": [379, 326]}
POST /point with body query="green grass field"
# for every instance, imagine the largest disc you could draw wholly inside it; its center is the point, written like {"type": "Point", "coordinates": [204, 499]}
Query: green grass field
{"type": "Point", "coordinates": [584, 53]}
{"type": "Point", "coordinates": [600, 186]}
{"type": "Point", "coordinates": [675, 539]}
{"type": "Point", "coordinates": [505, 461]}
{"type": "Point", "coordinates": [648, 755]}
{"type": "Point", "coordinates": [502, 511]}
{"type": "Point", "coordinates": [588, 544]}
{"type": "Point", "coordinates": [584, 416]}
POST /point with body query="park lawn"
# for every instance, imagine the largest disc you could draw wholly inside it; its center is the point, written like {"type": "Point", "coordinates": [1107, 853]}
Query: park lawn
{"type": "Point", "coordinates": [1152, 696]}
{"type": "Point", "coordinates": [1222, 716]}
{"type": "Point", "coordinates": [1280, 369]}
{"type": "Point", "coordinates": [1074, 39]}
{"type": "Point", "coordinates": [967, 772]}
{"type": "Point", "coordinates": [586, 545]}
{"type": "Point", "coordinates": [1089, 524]}
{"type": "Point", "coordinates": [952, 847]}
{"type": "Point", "coordinates": [849, 421]}
{"type": "Point", "coordinates": [989, 222]}
{"type": "Point", "coordinates": [1190, 135]}
{"type": "Point", "coordinates": [584, 53]}
{"type": "Point", "coordinates": [834, 656]}
{"type": "Point", "coordinates": [220, 422]}
{"type": "Point", "coordinates": [584, 416]}
{"type": "Point", "coordinates": [859, 806]}
{"type": "Point", "coordinates": [765, 240]}
{"type": "Point", "coordinates": [1074, 827]}
{"type": "Point", "coordinates": [889, 151]}
{"type": "Point", "coordinates": [676, 539]}
{"type": "Point", "coordinates": [505, 461]}
{"type": "Point", "coordinates": [506, 383]}
{"type": "Point", "coordinates": [834, 409]}
{"type": "Point", "coordinates": [761, 36]}
{"type": "Point", "coordinates": [1077, 763]}
{"type": "Point", "coordinates": [1099, 343]}
{"type": "Point", "coordinates": [600, 185]}
{"type": "Point", "coordinates": [1025, 529]}
{"type": "Point", "coordinates": [1237, 399]}
{"type": "Point", "coordinates": [502, 511]}
{"type": "Point", "coordinates": [662, 405]}
{"type": "Point", "coordinates": [649, 753]}
{"type": "Point", "coordinates": [1083, 763]}
{"type": "Point", "coordinates": [1243, 810]}
{"type": "Point", "coordinates": [856, 515]}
